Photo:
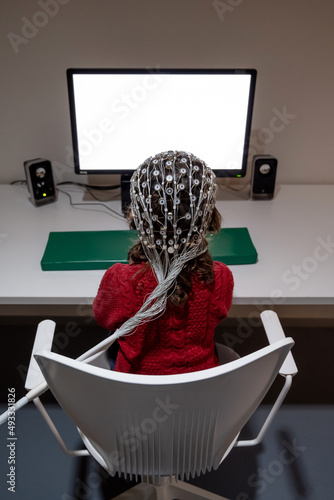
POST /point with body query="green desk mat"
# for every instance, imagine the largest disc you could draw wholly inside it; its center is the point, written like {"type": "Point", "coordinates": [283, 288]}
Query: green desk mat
{"type": "Point", "coordinates": [89, 250]}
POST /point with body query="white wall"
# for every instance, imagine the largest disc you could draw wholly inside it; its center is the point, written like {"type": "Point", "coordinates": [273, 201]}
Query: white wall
{"type": "Point", "coordinates": [289, 42]}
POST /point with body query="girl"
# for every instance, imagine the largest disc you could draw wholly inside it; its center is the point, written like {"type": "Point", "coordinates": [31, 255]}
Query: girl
{"type": "Point", "coordinates": [165, 304]}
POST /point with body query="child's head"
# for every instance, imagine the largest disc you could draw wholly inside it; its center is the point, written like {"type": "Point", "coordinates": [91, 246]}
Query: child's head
{"type": "Point", "coordinates": [173, 205]}
{"type": "Point", "coordinates": [173, 198]}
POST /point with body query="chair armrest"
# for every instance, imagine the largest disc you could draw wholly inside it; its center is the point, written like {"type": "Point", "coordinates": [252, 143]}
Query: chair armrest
{"type": "Point", "coordinates": [270, 417]}
{"type": "Point", "coordinates": [43, 341]}
{"type": "Point", "coordinates": [57, 436]}
{"type": "Point", "coordinates": [274, 332]}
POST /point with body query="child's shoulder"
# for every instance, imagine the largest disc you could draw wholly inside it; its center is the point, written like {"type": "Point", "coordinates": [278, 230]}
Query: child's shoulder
{"type": "Point", "coordinates": [222, 270]}
{"type": "Point", "coordinates": [137, 277]}
{"type": "Point", "coordinates": [217, 265]}
{"type": "Point", "coordinates": [119, 269]}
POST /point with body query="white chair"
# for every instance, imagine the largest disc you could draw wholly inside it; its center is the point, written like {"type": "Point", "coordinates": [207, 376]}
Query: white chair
{"type": "Point", "coordinates": [163, 429]}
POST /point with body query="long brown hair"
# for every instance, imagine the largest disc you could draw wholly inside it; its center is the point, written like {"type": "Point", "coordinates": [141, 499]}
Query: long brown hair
{"type": "Point", "coordinates": [201, 266]}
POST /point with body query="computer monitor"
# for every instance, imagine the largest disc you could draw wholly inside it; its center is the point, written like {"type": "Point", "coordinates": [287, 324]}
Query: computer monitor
{"type": "Point", "coordinates": [120, 117]}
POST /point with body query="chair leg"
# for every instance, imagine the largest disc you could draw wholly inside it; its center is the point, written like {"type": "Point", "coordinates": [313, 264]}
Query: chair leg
{"type": "Point", "coordinates": [185, 491]}
{"type": "Point", "coordinates": [168, 491]}
{"type": "Point", "coordinates": [141, 491]}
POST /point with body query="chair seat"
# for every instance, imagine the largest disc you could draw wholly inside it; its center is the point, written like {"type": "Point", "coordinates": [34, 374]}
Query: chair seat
{"type": "Point", "coordinates": [163, 425]}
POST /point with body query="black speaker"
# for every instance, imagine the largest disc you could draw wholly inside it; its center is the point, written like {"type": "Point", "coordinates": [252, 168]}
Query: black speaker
{"type": "Point", "coordinates": [263, 177]}
{"type": "Point", "coordinates": [40, 181]}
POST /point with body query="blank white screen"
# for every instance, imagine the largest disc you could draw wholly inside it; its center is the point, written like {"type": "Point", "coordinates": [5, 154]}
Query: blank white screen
{"type": "Point", "coordinates": [122, 119]}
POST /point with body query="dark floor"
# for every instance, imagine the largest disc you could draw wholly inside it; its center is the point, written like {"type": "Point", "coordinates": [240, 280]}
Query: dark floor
{"type": "Point", "coordinates": [295, 461]}
{"type": "Point", "coordinates": [302, 431]}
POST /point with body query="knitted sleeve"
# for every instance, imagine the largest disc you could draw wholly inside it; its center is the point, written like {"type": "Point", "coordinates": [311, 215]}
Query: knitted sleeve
{"type": "Point", "coordinates": [225, 282]}
{"type": "Point", "coordinates": [108, 307]}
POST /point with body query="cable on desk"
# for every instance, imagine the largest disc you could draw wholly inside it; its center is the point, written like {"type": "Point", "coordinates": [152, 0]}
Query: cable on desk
{"type": "Point", "coordinates": [98, 188]}
{"type": "Point", "coordinates": [90, 188]}
{"type": "Point", "coordinates": [23, 181]}
{"type": "Point", "coordinates": [87, 205]}
{"type": "Point", "coordinates": [244, 186]}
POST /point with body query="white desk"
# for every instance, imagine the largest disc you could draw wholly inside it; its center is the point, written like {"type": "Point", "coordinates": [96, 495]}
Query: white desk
{"type": "Point", "coordinates": [293, 234]}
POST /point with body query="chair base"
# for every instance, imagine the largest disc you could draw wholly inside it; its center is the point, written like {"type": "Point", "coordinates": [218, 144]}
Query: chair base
{"type": "Point", "coordinates": [168, 490]}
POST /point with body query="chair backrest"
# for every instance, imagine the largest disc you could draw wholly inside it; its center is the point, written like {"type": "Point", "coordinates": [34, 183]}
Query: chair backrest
{"type": "Point", "coordinates": [164, 425]}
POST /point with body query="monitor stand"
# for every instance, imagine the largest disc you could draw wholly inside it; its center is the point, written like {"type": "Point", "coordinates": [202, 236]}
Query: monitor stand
{"type": "Point", "coordinates": [125, 192]}
{"type": "Point", "coordinates": [107, 195]}
{"type": "Point", "coordinates": [228, 191]}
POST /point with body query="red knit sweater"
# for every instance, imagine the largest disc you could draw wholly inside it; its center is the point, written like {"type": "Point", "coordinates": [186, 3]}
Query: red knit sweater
{"type": "Point", "coordinates": [179, 341]}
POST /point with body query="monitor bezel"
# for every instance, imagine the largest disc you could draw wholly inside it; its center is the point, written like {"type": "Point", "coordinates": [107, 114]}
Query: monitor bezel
{"type": "Point", "coordinates": [239, 173]}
